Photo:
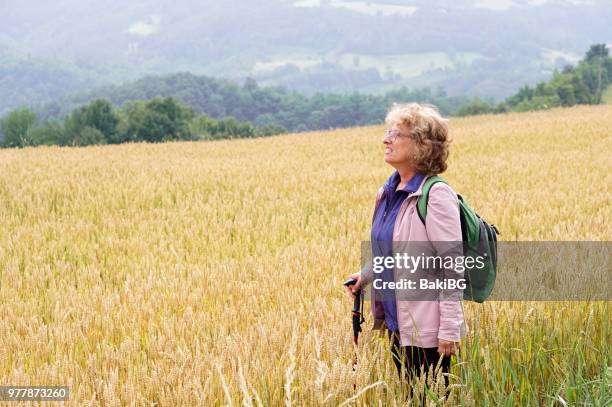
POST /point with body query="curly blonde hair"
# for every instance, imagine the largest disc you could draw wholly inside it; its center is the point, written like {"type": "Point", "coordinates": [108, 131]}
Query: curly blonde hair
{"type": "Point", "coordinates": [430, 131]}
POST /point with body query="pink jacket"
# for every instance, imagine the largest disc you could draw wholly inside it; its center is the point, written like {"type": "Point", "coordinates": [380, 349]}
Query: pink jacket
{"type": "Point", "coordinates": [422, 323]}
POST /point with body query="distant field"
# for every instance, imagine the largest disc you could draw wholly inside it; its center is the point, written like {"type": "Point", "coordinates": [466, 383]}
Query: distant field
{"type": "Point", "coordinates": [407, 65]}
{"type": "Point", "coordinates": [205, 273]}
{"type": "Point", "coordinates": [366, 7]}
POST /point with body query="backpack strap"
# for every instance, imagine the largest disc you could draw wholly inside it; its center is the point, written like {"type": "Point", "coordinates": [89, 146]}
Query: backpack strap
{"type": "Point", "coordinates": [424, 198]}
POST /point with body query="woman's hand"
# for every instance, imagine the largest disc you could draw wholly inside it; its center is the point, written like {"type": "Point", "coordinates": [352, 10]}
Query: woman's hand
{"type": "Point", "coordinates": [447, 348]}
{"type": "Point", "coordinates": [350, 290]}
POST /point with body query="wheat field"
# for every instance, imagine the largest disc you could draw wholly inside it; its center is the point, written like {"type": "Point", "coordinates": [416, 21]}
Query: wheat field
{"type": "Point", "coordinates": [210, 273]}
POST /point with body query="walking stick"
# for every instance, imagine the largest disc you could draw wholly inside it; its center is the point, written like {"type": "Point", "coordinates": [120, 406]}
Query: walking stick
{"type": "Point", "coordinates": [357, 320]}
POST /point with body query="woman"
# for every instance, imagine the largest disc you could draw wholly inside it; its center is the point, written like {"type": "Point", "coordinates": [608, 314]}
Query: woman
{"type": "Point", "coordinates": [421, 332]}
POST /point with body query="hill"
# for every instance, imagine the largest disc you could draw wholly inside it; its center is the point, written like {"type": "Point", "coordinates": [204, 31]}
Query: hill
{"type": "Point", "coordinates": [488, 48]}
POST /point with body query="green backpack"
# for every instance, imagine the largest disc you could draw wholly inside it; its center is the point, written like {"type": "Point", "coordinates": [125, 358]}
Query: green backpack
{"type": "Point", "coordinates": [479, 239]}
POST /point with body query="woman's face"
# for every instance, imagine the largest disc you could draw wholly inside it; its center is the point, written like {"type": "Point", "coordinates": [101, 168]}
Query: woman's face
{"type": "Point", "coordinates": [399, 146]}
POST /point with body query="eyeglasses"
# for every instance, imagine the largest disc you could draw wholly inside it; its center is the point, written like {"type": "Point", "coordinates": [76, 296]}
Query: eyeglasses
{"type": "Point", "coordinates": [392, 135]}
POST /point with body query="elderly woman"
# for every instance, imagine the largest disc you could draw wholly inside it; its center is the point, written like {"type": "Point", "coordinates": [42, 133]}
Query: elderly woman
{"type": "Point", "coordinates": [416, 145]}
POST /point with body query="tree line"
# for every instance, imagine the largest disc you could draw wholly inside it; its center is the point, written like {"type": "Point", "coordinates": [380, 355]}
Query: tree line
{"type": "Point", "coordinates": [260, 106]}
{"type": "Point", "coordinates": [582, 84]}
{"type": "Point", "coordinates": [99, 122]}
{"type": "Point", "coordinates": [249, 111]}
{"type": "Point", "coordinates": [218, 109]}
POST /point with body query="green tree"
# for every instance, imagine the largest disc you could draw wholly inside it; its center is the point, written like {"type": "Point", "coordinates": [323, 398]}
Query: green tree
{"type": "Point", "coordinates": [581, 92]}
{"type": "Point", "coordinates": [160, 120]}
{"type": "Point", "coordinates": [474, 107]}
{"type": "Point", "coordinates": [17, 127]}
{"type": "Point", "coordinates": [89, 136]}
{"type": "Point", "coordinates": [74, 123]}
{"type": "Point", "coordinates": [270, 130]}
{"type": "Point", "coordinates": [48, 133]}
{"type": "Point", "coordinates": [131, 117]}
{"type": "Point", "coordinates": [100, 115]}
{"type": "Point", "coordinates": [597, 51]}
{"type": "Point", "coordinates": [203, 127]}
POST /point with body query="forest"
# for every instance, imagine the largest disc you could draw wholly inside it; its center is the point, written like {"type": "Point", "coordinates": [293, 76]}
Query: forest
{"type": "Point", "coordinates": [189, 107]}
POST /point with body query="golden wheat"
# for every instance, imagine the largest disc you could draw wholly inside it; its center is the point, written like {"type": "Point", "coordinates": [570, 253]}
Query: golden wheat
{"type": "Point", "coordinates": [206, 273]}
